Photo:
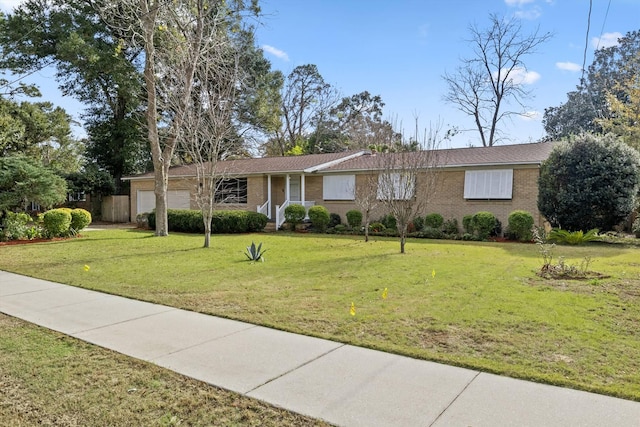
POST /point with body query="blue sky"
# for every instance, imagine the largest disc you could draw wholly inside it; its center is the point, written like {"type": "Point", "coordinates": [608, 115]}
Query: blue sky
{"type": "Point", "coordinates": [399, 50]}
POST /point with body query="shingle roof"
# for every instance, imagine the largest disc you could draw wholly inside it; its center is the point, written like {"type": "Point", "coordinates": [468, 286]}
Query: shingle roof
{"type": "Point", "coordinates": [520, 154]}
{"type": "Point", "coordinates": [289, 164]}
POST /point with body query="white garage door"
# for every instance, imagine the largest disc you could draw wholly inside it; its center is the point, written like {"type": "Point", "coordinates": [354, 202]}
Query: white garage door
{"type": "Point", "coordinates": [145, 201]}
{"type": "Point", "coordinates": [177, 199]}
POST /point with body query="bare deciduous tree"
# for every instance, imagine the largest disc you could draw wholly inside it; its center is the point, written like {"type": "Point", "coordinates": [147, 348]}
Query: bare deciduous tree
{"type": "Point", "coordinates": [484, 85]}
{"type": "Point", "coordinates": [209, 126]}
{"type": "Point", "coordinates": [175, 37]}
{"type": "Point", "coordinates": [366, 199]}
{"type": "Point", "coordinates": [408, 179]}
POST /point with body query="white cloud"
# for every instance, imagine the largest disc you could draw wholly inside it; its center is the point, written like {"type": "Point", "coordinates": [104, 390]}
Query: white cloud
{"type": "Point", "coordinates": [529, 15]}
{"type": "Point", "coordinates": [606, 40]}
{"type": "Point", "coordinates": [530, 115]}
{"type": "Point", "coordinates": [568, 66]}
{"type": "Point", "coordinates": [517, 2]}
{"type": "Point", "coordinates": [276, 52]}
{"type": "Point", "coordinates": [520, 76]}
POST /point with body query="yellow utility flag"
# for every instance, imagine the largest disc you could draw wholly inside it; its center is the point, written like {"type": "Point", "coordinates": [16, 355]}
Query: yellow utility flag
{"type": "Point", "coordinates": [353, 309]}
{"type": "Point", "coordinates": [384, 293]}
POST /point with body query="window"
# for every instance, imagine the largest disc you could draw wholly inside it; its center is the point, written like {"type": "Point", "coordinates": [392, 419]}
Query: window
{"type": "Point", "coordinates": [488, 184]}
{"type": "Point", "coordinates": [232, 190]}
{"type": "Point", "coordinates": [396, 186]}
{"type": "Point", "coordinates": [339, 187]}
{"type": "Point", "coordinates": [78, 196]}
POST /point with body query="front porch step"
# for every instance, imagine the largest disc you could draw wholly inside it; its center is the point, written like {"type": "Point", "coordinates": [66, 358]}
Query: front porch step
{"type": "Point", "coordinates": [270, 227]}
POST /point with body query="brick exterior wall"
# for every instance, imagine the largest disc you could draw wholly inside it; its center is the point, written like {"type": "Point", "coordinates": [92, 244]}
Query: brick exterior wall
{"type": "Point", "coordinates": [447, 200]}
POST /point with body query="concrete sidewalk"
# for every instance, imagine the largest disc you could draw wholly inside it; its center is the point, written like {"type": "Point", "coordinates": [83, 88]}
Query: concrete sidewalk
{"type": "Point", "coordinates": [342, 384]}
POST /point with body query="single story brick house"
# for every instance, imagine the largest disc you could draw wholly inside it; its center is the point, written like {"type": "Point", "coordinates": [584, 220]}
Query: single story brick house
{"type": "Point", "coordinates": [497, 179]}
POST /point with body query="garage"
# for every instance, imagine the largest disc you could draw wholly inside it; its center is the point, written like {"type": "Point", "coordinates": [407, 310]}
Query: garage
{"type": "Point", "coordinates": [176, 199]}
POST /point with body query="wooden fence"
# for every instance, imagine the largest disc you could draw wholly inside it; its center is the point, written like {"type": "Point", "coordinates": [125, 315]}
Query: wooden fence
{"type": "Point", "coordinates": [115, 209]}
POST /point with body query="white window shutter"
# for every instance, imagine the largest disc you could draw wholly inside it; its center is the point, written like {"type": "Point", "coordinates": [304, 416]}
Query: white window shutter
{"type": "Point", "coordinates": [339, 187]}
{"type": "Point", "coordinates": [488, 184]}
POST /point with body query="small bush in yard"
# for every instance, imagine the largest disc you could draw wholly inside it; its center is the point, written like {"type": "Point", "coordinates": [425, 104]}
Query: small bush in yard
{"type": "Point", "coordinates": [377, 227]}
{"type": "Point", "coordinates": [389, 221]}
{"type": "Point", "coordinates": [256, 221]}
{"type": "Point", "coordinates": [483, 224]}
{"type": "Point", "coordinates": [340, 228]}
{"type": "Point", "coordinates": [80, 218]}
{"type": "Point", "coordinates": [418, 223]}
{"type": "Point", "coordinates": [319, 216]}
{"type": "Point", "coordinates": [450, 227]}
{"type": "Point", "coordinates": [433, 220]}
{"type": "Point", "coordinates": [15, 226]}
{"type": "Point", "coordinates": [294, 215]}
{"type": "Point", "coordinates": [431, 233]}
{"type": "Point", "coordinates": [57, 222]}
{"type": "Point", "coordinates": [467, 224]}
{"type": "Point", "coordinates": [334, 219]}
{"type": "Point", "coordinates": [354, 219]}
{"type": "Point", "coordinates": [520, 225]}
{"type": "Point", "coordinates": [572, 237]}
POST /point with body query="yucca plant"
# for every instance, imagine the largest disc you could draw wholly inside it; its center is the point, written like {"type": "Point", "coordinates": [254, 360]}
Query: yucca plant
{"type": "Point", "coordinates": [572, 237]}
{"type": "Point", "coordinates": [255, 253]}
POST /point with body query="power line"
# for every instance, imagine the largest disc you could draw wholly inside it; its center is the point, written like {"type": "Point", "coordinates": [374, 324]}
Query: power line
{"type": "Point", "coordinates": [603, 22]}
{"type": "Point", "coordinates": [586, 42]}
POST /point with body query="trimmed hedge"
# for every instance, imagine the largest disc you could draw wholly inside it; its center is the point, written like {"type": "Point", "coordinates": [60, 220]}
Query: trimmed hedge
{"type": "Point", "coordinates": [319, 216]}
{"type": "Point", "coordinates": [483, 224]}
{"type": "Point", "coordinates": [80, 218]}
{"type": "Point", "coordinates": [354, 218]}
{"type": "Point", "coordinates": [520, 224]}
{"type": "Point", "coordinates": [434, 220]}
{"type": "Point", "coordinates": [294, 215]}
{"type": "Point", "coordinates": [223, 222]}
{"type": "Point", "coordinates": [56, 222]}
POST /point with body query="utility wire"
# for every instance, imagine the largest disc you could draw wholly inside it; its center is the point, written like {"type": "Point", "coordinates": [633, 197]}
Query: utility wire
{"type": "Point", "coordinates": [586, 42]}
{"type": "Point", "coordinates": [8, 84]}
{"type": "Point", "coordinates": [39, 25]}
{"type": "Point", "coordinates": [603, 22]}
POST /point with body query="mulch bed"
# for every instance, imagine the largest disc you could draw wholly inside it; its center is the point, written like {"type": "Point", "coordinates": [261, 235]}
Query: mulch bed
{"type": "Point", "coordinates": [26, 242]}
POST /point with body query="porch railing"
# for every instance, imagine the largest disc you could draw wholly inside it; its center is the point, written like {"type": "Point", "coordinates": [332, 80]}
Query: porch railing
{"type": "Point", "coordinates": [264, 209]}
{"type": "Point", "coordinates": [280, 210]}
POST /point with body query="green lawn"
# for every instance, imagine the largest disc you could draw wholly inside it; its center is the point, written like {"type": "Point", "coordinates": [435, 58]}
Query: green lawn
{"type": "Point", "coordinates": [50, 379]}
{"type": "Point", "coordinates": [484, 307]}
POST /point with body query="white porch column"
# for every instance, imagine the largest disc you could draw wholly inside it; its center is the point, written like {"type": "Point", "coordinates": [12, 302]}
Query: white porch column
{"type": "Point", "coordinates": [287, 189]}
{"type": "Point", "coordinates": [269, 195]}
{"type": "Point", "coordinates": [302, 196]}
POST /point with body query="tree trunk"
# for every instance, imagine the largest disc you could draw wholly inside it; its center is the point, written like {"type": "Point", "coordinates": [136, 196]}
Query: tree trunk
{"type": "Point", "coordinates": [207, 230]}
{"type": "Point", "coordinates": [403, 239]}
{"type": "Point", "coordinates": [160, 190]}
{"type": "Point", "coordinates": [366, 230]}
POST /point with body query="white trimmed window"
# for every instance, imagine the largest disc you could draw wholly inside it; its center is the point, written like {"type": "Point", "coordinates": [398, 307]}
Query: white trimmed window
{"type": "Point", "coordinates": [339, 187]}
{"type": "Point", "coordinates": [396, 186]}
{"type": "Point", "coordinates": [488, 184]}
{"type": "Point", "coordinates": [77, 196]}
{"type": "Point", "coordinates": [231, 190]}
